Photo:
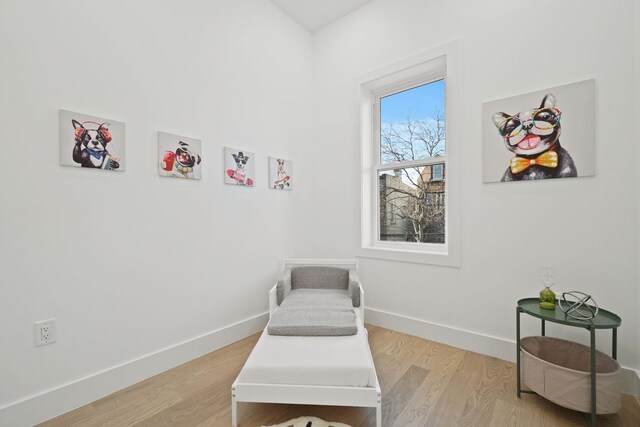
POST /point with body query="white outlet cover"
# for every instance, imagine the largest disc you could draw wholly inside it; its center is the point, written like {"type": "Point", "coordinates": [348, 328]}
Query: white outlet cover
{"type": "Point", "coordinates": [39, 339]}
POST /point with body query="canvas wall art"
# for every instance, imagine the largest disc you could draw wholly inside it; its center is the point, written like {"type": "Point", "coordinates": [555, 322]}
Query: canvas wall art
{"type": "Point", "coordinates": [179, 156]}
{"type": "Point", "coordinates": [540, 135]}
{"type": "Point", "coordinates": [91, 142]}
{"type": "Point", "coordinates": [280, 174]}
{"type": "Point", "coordinates": [239, 167]}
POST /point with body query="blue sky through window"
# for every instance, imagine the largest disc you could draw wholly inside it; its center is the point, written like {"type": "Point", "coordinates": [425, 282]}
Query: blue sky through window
{"type": "Point", "coordinates": [418, 103]}
{"type": "Point", "coordinates": [413, 124]}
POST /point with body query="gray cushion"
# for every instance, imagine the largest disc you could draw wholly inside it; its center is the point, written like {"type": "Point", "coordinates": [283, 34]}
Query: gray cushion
{"type": "Point", "coordinates": [354, 288]}
{"type": "Point", "coordinates": [312, 323]}
{"type": "Point", "coordinates": [319, 277]}
{"type": "Point", "coordinates": [283, 287]}
{"type": "Point", "coordinates": [317, 299]}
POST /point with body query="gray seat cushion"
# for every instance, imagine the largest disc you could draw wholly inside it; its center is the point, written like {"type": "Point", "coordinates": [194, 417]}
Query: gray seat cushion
{"type": "Point", "coordinates": [317, 300]}
{"type": "Point", "coordinates": [313, 323]}
{"type": "Point", "coordinates": [319, 277]}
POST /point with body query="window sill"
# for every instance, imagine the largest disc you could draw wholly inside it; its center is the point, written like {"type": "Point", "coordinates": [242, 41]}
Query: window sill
{"type": "Point", "coordinates": [446, 259]}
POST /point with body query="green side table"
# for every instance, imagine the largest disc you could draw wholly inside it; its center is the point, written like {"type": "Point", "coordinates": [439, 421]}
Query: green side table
{"type": "Point", "coordinates": [604, 320]}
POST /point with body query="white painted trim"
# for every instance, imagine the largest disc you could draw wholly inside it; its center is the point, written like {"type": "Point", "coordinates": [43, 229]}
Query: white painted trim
{"type": "Point", "coordinates": [631, 382]}
{"type": "Point", "coordinates": [66, 397]}
{"type": "Point", "coordinates": [306, 394]}
{"type": "Point", "coordinates": [460, 338]}
{"type": "Point", "coordinates": [273, 300]}
{"type": "Point", "coordinates": [415, 69]}
{"type": "Point", "coordinates": [323, 262]}
{"type": "Point", "coordinates": [472, 341]}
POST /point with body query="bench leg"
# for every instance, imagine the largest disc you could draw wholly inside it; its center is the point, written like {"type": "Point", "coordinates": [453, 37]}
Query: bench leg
{"type": "Point", "coordinates": [379, 415]}
{"type": "Point", "coordinates": [234, 408]}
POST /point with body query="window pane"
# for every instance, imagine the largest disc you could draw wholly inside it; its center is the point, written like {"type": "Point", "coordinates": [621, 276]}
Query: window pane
{"type": "Point", "coordinates": [412, 124]}
{"type": "Point", "coordinates": [412, 205]}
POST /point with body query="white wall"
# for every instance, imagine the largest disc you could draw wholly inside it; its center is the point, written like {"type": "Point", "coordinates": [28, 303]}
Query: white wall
{"type": "Point", "coordinates": [130, 263]}
{"type": "Point", "coordinates": [637, 73]}
{"type": "Point", "coordinates": [240, 74]}
{"type": "Point", "coordinates": [586, 228]}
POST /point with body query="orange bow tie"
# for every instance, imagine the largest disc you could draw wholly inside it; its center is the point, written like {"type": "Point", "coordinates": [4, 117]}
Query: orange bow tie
{"type": "Point", "coordinates": [548, 159]}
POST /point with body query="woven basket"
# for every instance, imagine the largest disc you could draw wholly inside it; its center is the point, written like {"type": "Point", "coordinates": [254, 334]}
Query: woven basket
{"type": "Point", "coordinates": [560, 371]}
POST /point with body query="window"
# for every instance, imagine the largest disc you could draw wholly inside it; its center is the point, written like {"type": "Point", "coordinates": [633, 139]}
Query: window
{"type": "Point", "coordinates": [437, 172]}
{"type": "Point", "coordinates": [409, 149]}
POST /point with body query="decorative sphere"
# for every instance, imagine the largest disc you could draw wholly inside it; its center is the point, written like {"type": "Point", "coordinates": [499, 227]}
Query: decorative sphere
{"type": "Point", "coordinates": [578, 305]}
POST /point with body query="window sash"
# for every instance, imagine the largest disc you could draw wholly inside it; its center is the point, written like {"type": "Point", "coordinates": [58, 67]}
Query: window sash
{"type": "Point", "coordinates": [412, 163]}
{"type": "Point", "coordinates": [392, 90]}
{"type": "Point", "coordinates": [380, 167]}
{"type": "Point", "coordinates": [377, 220]}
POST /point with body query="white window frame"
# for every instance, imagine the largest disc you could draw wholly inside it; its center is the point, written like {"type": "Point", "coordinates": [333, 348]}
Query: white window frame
{"type": "Point", "coordinates": [439, 63]}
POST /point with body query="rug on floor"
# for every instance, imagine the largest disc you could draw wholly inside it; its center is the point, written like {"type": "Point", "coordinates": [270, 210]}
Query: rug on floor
{"type": "Point", "coordinates": [308, 422]}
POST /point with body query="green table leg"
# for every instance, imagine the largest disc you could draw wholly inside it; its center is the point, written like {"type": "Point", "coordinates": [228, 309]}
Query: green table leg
{"type": "Point", "coordinates": [542, 327]}
{"type": "Point", "coordinates": [594, 417]}
{"type": "Point", "coordinates": [614, 344]}
{"type": "Point", "coordinates": [518, 311]}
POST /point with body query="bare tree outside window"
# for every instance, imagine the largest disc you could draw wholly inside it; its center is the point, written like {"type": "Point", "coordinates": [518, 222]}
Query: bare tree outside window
{"type": "Point", "coordinates": [413, 139]}
{"type": "Point", "coordinates": [413, 193]}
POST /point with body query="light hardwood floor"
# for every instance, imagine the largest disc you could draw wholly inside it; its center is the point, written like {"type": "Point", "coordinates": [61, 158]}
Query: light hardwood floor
{"type": "Point", "coordinates": [424, 383]}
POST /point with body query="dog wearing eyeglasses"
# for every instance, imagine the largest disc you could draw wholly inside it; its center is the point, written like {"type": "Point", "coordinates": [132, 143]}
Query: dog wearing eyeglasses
{"type": "Point", "coordinates": [90, 150]}
{"type": "Point", "coordinates": [534, 137]}
{"type": "Point", "coordinates": [239, 174]}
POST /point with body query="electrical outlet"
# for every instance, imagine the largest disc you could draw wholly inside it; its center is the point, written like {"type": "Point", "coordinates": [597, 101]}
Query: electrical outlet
{"type": "Point", "coordinates": [44, 332]}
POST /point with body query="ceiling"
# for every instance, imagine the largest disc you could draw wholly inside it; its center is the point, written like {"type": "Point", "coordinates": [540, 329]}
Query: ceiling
{"type": "Point", "coordinates": [316, 14]}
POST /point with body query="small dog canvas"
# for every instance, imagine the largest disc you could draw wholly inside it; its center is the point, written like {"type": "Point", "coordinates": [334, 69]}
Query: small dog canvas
{"type": "Point", "coordinates": [91, 142]}
{"type": "Point", "coordinates": [280, 174]}
{"type": "Point", "coordinates": [179, 156]}
{"type": "Point", "coordinates": [541, 135]}
{"type": "Point", "coordinates": [239, 167]}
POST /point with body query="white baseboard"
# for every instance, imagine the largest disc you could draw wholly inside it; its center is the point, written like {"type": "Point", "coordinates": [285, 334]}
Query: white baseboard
{"type": "Point", "coordinates": [460, 338]}
{"type": "Point", "coordinates": [472, 341]}
{"type": "Point", "coordinates": [631, 381]}
{"type": "Point", "coordinates": [66, 397]}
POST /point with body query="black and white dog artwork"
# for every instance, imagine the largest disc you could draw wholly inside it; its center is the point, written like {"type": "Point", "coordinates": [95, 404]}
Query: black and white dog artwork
{"type": "Point", "coordinates": [90, 150]}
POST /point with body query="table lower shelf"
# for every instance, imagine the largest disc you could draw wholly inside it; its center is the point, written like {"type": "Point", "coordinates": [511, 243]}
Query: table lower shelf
{"type": "Point", "coordinates": [558, 370]}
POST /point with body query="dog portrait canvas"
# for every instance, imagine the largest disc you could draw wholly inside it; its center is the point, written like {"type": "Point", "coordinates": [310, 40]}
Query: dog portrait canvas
{"type": "Point", "coordinates": [280, 174]}
{"type": "Point", "coordinates": [546, 134]}
{"type": "Point", "coordinates": [91, 142]}
{"type": "Point", "coordinates": [239, 167]}
{"type": "Point", "coordinates": [179, 156]}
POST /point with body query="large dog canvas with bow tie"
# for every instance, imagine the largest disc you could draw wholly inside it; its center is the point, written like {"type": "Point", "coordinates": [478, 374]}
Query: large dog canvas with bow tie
{"type": "Point", "coordinates": [91, 142]}
{"type": "Point", "coordinates": [540, 135]}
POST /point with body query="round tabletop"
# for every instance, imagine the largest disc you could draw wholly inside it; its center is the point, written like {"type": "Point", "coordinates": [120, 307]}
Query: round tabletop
{"type": "Point", "coordinates": [604, 320]}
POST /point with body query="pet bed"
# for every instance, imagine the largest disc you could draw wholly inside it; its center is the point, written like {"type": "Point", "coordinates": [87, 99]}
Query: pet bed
{"type": "Point", "coordinates": [311, 370]}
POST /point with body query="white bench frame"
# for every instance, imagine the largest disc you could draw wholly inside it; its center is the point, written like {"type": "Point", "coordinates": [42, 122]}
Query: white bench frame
{"type": "Point", "coordinates": [369, 397]}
